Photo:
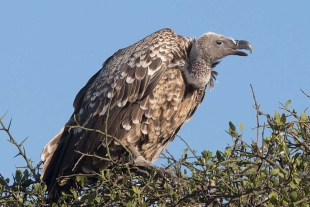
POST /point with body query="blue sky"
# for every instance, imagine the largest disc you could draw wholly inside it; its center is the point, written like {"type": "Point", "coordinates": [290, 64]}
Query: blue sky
{"type": "Point", "coordinates": [49, 50]}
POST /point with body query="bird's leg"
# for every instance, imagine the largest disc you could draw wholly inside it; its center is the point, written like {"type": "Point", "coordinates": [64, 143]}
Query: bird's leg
{"type": "Point", "coordinates": [139, 161]}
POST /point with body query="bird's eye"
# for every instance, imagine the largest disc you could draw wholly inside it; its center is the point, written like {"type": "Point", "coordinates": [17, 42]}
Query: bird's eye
{"type": "Point", "coordinates": [219, 42]}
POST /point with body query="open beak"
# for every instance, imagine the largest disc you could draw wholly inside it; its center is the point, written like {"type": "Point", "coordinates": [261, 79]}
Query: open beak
{"type": "Point", "coordinates": [242, 45]}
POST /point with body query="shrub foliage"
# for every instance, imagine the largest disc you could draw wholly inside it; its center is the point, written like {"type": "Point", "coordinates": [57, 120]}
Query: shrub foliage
{"type": "Point", "coordinates": [272, 170]}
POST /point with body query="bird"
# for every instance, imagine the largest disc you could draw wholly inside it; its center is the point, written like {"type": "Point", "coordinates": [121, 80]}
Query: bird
{"type": "Point", "coordinates": [136, 103]}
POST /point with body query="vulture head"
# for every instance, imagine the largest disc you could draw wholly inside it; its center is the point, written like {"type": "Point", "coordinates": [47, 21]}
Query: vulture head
{"type": "Point", "coordinates": [205, 55]}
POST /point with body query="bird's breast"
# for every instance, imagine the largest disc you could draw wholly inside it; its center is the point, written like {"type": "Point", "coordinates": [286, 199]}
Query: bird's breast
{"type": "Point", "coordinates": [161, 114]}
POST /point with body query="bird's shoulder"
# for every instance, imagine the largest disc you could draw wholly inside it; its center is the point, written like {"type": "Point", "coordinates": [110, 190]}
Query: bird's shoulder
{"type": "Point", "coordinates": [132, 72]}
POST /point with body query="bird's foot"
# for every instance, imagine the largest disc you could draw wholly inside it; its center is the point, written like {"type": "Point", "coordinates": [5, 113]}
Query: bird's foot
{"type": "Point", "coordinates": [139, 161]}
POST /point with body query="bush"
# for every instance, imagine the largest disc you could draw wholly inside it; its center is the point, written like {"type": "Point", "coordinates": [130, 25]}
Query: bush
{"type": "Point", "coordinates": [273, 170]}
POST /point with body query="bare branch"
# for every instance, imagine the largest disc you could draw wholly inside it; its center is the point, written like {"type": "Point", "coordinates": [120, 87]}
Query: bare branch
{"type": "Point", "coordinates": [256, 107]}
{"type": "Point", "coordinates": [305, 93]}
{"type": "Point", "coordinates": [19, 146]}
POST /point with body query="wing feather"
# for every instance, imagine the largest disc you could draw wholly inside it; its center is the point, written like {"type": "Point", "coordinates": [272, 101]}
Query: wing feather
{"type": "Point", "coordinates": [126, 78]}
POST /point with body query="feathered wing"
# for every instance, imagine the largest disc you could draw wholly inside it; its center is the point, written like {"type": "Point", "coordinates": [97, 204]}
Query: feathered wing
{"type": "Point", "coordinates": [122, 99]}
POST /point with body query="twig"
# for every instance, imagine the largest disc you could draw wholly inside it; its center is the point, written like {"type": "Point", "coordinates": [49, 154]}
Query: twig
{"type": "Point", "coordinates": [21, 150]}
{"type": "Point", "coordinates": [304, 144]}
{"type": "Point", "coordinates": [257, 113]}
{"type": "Point", "coordinates": [78, 126]}
{"type": "Point", "coordinates": [305, 93]}
{"type": "Point", "coordinates": [188, 147]}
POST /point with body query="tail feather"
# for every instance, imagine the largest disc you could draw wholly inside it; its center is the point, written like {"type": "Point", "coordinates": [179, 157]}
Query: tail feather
{"type": "Point", "coordinates": [48, 152]}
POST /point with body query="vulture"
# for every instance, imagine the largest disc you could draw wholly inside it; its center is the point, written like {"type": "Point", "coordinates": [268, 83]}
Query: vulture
{"type": "Point", "coordinates": [136, 103]}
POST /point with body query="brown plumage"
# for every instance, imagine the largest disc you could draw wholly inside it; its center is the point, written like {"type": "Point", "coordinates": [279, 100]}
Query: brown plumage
{"type": "Point", "coordinates": [142, 96]}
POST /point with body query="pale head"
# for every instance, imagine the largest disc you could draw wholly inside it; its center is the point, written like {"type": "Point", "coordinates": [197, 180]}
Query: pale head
{"type": "Point", "coordinates": [205, 55]}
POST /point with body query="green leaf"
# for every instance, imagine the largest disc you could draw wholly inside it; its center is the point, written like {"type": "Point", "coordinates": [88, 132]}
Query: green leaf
{"type": "Point", "coordinates": [273, 196]}
{"type": "Point", "coordinates": [184, 154]}
{"type": "Point", "coordinates": [267, 140]}
{"type": "Point", "coordinates": [262, 175]}
{"type": "Point", "coordinates": [73, 191]}
{"type": "Point", "coordinates": [98, 199]}
{"type": "Point", "coordinates": [112, 195]}
{"type": "Point", "coordinates": [44, 187]}
{"type": "Point", "coordinates": [219, 156]}
{"type": "Point", "coordinates": [287, 103]}
{"type": "Point", "coordinates": [274, 171]}
{"type": "Point", "coordinates": [3, 181]}
{"type": "Point", "coordinates": [293, 185]}
{"type": "Point", "coordinates": [90, 198]}
{"type": "Point", "coordinates": [81, 179]}
{"type": "Point", "coordinates": [108, 173]}
{"type": "Point", "coordinates": [26, 174]}
{"type": "Point", "coordinates": [293, 196]}
{"type": "Point", "coordinates": [284, 192]}
{"type": "Point", "coordinates": [174, 195]}
{"type": "Point", "coordinates": [241, 126]}
{"type": "Point", "coordinates": [18, 175]}
{"type": "Point", "coordinates": [227, 151]}
{"type": "Point", "coordinates": [283, 203]}
{"type": "Point", "coordinates": [102, 176]}
{"type": "Point", "coordinates": [281, 175]}
{"type": "Point", "coordinates": [191, 186]}
{"type": "Point", "coordinates": [252, 170]}
{"type": "Point", "coordinates": [20, 199]}
{"type": "Point", "coordinates": [232, 126]}
{"type": "Point", "coordinates": [136, 190]}
{"type": "Point", "coordinates": [232, 130]}
{"type": "Point", "coordinates": [304, 117]}
{"type": "Point", "coordinates": [277, 117]}
{"type": "Point", "coordinates": [276, 182]}
{"type": "Point", "coordinates": [283, 119]}
{"type": "Point", "coordinates": [297, 180]}
{"type": "Point", "coordinates": [36, 187]}
{"type": "Point", "coordinates": [206, 154]}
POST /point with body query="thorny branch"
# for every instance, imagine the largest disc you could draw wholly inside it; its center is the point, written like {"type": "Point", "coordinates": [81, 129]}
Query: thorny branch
{"type": "Point", "coordinates": [305, 93]}
{"type": "Point", "coordinates": [245, 174]}
{"type": "Point", "coordinates": [256, 107]}
{"type": "Point", "coordinates": [21, 149]}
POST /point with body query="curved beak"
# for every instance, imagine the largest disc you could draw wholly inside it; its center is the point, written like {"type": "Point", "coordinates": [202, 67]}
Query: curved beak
{"type": "Point", "coordinates": [242, 45]}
